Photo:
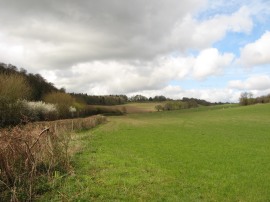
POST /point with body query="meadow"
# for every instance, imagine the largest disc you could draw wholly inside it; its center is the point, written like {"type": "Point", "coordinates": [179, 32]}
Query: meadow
{"type": "Point", "coordinates": [204, 154]}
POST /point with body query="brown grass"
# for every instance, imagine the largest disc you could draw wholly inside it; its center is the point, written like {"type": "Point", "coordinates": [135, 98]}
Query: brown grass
{"type": "Point", "coordinates": [131, 108]}
{"type": "Point", "coordinates": [31, 154]}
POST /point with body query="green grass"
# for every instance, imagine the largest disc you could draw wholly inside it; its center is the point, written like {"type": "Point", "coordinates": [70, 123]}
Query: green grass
{"type": "Point", "coordinates": [204, 154]}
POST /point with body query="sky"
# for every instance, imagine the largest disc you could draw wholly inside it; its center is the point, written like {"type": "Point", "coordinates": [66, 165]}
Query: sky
{"type": "Point", "coordinates": [207, 49]}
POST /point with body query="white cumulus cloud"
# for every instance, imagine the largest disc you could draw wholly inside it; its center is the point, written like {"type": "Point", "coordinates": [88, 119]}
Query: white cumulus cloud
{"type": "Point", "coordinates": [211, 62]}
{"type": "Point", "coordinates": [114, 77]}
{"type": "Point", "coordinates": [260, 82]}
{"type": "Point", "coordinates": [211, 95]}
{"type": "Point", "coordinates": [200, 34]}
{"type": "Point", "coordinates": [256, 53]}
{"type": "Point", "coordinates": [112, 47]}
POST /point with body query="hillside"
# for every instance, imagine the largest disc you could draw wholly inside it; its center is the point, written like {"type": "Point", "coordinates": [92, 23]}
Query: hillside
{"type": "Point", "coordinates": [210, 154]}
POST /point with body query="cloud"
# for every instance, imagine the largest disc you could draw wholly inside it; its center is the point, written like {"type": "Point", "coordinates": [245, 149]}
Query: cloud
{"type": "Point", "coordinates": [256, 53]}
{"type": "Point", "coordinates": [214, 29]}
{"type": "Point", "coordinates": [120, 77]}
{"type": "Point", "coordinates": [260, 82]}
{"type": "Point", "coordinates": [176, 92]}
{"type": "Point", "coordinates": [211, 62]}
{"type": "Point", "coordinates": [64, 33]}
{"type": "Point", "coordinates": [109, 47]}
{"type": "Point", "coordinates": [60, 34]}
{"type": "Point", "coordinates": [113, 77]}
{"type": "Point", "coordinates": [192, 33]}
{"type": "Point", "coordinates": [215, 94]}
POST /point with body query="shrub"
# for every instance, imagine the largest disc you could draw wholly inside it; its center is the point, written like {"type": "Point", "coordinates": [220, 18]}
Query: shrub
{"type": "Point", "coordinates": [159, 107]}
{"type": "Point", "coordinates": [63, 102]}
{"type": "Point", "coordinates": [31, 155]}
{"type": "Point", "coordinates": [176, 105]}
{"type": "Point", "coordinates": [39, 111]}
{"type": "Point", "coordinates": [173, 105]}
{"type": "Point", "coordinates": [12, 89]}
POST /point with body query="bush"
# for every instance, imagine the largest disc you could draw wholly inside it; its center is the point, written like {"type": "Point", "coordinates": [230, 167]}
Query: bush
{"type": "Point", "coordinates": [30, 156]}
{"type": "Point", "coordinates": [176, 105]}
{"type": "Point", "coordinates": [63, 102]}
{"type": "Point", "coordinates": [159, 107]}
{"type": "Point", "coordinates": [246, 98]}
{"type": "Point", "coordinates": [12, 89]}
{"type": "Point", "coordinates": [39, 111]}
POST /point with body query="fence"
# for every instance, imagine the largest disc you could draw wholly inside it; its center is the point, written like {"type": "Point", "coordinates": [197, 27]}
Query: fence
{"type": "Point", "coordinates": [30, 154]}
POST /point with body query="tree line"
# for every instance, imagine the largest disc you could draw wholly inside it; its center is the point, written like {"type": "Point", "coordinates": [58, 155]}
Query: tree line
{"type": "Point", "coordinates": [115, 99]}
{"type": "Point", "coordinates": [28, 97]}
{"type": "Point", "coordinates": [37, 86]}
{"type": "Point", "coordinates": [100, 99]}
{"type": "Point", "coordinates": [246, 98]}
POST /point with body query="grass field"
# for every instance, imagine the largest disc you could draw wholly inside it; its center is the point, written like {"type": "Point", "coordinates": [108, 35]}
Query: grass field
{"type": "Point", "coordinates": [204, 154]}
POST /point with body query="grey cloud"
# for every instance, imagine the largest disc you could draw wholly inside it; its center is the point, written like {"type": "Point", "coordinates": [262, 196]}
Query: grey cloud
{"type": "Point", "coordinates": [110, 46]}
{"type": "Point", "coordinates": [59, 34]}
{"type": "Point", "coordinates": [94, 30]}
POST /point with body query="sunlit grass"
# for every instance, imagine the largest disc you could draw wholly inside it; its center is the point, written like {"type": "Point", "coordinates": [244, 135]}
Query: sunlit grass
{"type": "Point", "coordinates": [206, 154]}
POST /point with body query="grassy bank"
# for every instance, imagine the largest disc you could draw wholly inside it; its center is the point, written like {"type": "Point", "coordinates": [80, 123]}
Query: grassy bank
{"type": "Point", "coordinates": [32, 156]}
{"type": "Point", "coordinates": [204, 154]}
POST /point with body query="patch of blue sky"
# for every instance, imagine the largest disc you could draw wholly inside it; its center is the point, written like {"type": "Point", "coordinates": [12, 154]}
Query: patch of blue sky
{"type": "Point", "coordinates": [226, 7]}
{"type": "Point", "coordinates": [234, 41]}
{"type": "Point", "coordinates": [221, 81]}
{"type": "Point", "coordinates": [220, 7]}
{"type": "Point", "coordinates": [231, 43]}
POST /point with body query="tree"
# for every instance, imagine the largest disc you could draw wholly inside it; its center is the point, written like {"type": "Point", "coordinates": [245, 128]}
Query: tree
{"type": "Point", "coordinates": [159, 107]}
{"type": "Point", "coordinates": [138, 98]}
{"type": "Point", "coordinates": [40, 87]}
{"type": "Point", "coordinates": [13, 88]}
{"type": "Point", "coordinates": [246, 98]}
{"type": "Point", "coordinates": [63, 102]}
{"type": "Point", "coordinates": [192, 103]}
{"type": "Point", "coordinates": [159, 98]}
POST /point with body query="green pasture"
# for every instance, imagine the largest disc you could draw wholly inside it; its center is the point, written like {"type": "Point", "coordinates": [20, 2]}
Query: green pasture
{"type": "Point", "coordinates": [203, 154]}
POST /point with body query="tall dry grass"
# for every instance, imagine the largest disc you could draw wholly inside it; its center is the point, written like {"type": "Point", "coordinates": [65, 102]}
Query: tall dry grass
{"type": "Point", "coordinates": [30, 156]}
